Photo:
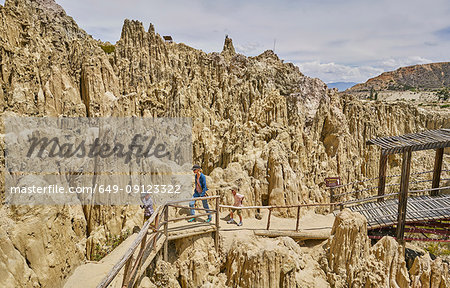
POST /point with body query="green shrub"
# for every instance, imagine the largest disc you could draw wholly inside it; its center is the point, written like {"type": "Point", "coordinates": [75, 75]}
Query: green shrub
{"type": "Point", "coordinates": [108, 48]}
{"type": "Point", "coordinates": [112, 241]}
{"type": "Point", "coordinates": [443, 94]}
{"type": "Point", "coordinates": [438, 249]}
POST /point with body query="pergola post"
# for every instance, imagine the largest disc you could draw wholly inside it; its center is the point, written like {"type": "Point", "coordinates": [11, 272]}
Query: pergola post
{"type": "Point", "coordinates": [382, 175]}
{"type": "Point", "coordinates": [403, 196]}
{"type": "Point", "coordinates": [437, 170]}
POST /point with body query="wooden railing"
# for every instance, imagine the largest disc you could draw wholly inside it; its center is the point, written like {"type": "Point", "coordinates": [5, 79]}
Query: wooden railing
{"type": "Point", "coordinates": [271, 207]}
{"type": "Point", "coordinates": [211, 211]}
{"type": "Point", "coordinates": [148, 238]}
{"type": "Point", "coordinates": [157, 227]}
{"type": "Point", "coordinates": [340, 197]}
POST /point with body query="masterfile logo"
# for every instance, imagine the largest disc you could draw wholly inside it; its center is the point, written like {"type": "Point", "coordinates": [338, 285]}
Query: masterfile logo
{"type": "Point", "coordinates": [99, 148]}
{"type": "Point", "coordinates": [53, 160]}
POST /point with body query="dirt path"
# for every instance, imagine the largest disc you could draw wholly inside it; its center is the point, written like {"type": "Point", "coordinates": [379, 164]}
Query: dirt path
{"type": "Point", "coordinates": [90, 274]}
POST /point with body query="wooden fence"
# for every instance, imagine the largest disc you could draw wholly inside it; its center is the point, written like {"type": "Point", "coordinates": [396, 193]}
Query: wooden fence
{"type": "Point", "coordinates": [154, 234]}
{"type": "Point", "coordinates": [147, 239]}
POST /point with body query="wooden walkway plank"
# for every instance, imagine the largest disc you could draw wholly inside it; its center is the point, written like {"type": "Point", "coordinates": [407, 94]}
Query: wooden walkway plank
{"type": "Point", "coordinates": [419, 208]}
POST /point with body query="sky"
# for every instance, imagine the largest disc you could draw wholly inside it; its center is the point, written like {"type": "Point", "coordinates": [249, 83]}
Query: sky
{"type": "Point", "coordinates": [336, 41]}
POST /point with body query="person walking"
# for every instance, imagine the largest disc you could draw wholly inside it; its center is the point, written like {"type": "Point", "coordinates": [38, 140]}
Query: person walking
{"type": "Point", "coordinates": [147, 205]}
{"type": "Point", "coordinates": [199, 191]}
{"type": "Point", "coordinates": [237, 203]}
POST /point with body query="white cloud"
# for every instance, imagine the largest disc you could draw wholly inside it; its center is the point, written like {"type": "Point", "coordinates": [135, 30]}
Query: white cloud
{"type": "Point", "coordinates": [392, 63]}
{"type": "Point", "coordinates": [350, 37]}
{"type": "Point", "coordinates": [332, 72]}
{"type": "Point", "coordinates": [247, 48]}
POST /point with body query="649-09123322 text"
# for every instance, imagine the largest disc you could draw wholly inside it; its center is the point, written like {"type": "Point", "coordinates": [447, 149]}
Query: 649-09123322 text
{"type": "Point", "coordinates": [94, 189]}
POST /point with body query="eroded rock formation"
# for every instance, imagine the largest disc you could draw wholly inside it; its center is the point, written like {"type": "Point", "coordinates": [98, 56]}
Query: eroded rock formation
{"type": "Point", "coordinates": [347, 259]}
{"type": "Point", "coordinates": [352, 262]}
{"type": "Point", "coordinates": [272, 263]}
{"type": "Point", "coordinates": [425, 76]}
{"type": "Point", "coordinates": [257, 121]}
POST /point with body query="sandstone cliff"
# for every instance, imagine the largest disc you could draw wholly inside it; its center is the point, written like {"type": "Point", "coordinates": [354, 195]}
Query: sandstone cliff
{"type": "Point", "coordinates": [347, 259]}
{"type": "Point", "coordinates": [353, 262]}
{"type": "Point", "coordinates": [425, 76]}
{"type": "Point", "coordinates": [258, 122]}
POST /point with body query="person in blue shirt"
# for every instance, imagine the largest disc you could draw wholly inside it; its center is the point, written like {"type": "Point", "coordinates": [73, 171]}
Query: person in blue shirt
{"type": "Point", "coordinates": [199, 191]}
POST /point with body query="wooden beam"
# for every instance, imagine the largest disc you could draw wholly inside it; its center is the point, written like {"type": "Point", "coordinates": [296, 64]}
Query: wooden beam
{"type": "Point", "coordinates": [302, 235]}
{"type": "Point", "coordinates": [216, 238]}
{"type": "Point", "coordinates": [331, 199]}
{"type": "Point", "coordinates": [281, 206]}
{"type": "Point", "coordinates": [403, 196]}
{"type": "Point", "coordinates": [298, 218]}
{"type": "Point", "coordinates": [166, 233]}
{"type": "Point", "coordinates": [157, 225]}
{"type": "Point", "coordinates": [382, 175]}
{"type": "Point", "coordinates": [131, 273]}
{"type": "Point", "coordinates": [158, 244]}
{"type": "Point", "coordinates": [126, 272]}
{"type": "Point", "coordinates": [192, 216]}
{"type": "Point", "coordinates": [204, 230]}
{"type": "Point", "coordinates": [192, 199]}
{"type": "Point", "coordinates": [437, 170]}
{"type": "Point", "coordinates": [129, 253]}
{"type": "Point", "coordinates": [189, 208]}
{"type": "Point", "coordinates": [268, 218]}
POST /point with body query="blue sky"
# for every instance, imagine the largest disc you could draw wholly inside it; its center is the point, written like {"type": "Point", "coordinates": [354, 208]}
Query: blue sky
{"type": "Point", "coordinates": [350, 40]}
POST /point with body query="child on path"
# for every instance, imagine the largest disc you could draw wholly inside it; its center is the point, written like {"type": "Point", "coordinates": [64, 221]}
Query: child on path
{"type": "Point", "coordinates": [237, 203]}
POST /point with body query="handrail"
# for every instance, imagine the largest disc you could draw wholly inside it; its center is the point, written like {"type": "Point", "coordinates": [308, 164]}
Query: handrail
{"type": "Point", "coordinates": [430, 189]}
{"type": "Point", "coordinates": [388, 176]}
{"type": "Point", "coordinates": [115, 270]}
{"type": "Point", "coordinates": [271, 207]}
{"type": "Point", "coordinates": [281, 206]}
{"type": "Point", "coordinates": [191, 199]}
{"type": "Point", "coordinates": [157, 214]}
{"type": "Point", "coordinates": [163, 209]}
{"type": "Point", "coordinates": [368, 199]}
{"type": "Point", "coordinates": [388, 195]}
{"type": "Point", "coordinates": [375, 187]}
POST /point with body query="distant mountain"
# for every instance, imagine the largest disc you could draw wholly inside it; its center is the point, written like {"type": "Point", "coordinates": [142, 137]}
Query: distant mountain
{"type": "Point", "coordinates": [424, 77]}
{"type": "Point", "coordinates": [341, 86]}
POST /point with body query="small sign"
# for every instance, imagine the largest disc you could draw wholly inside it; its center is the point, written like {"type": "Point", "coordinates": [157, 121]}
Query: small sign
{"type": "Point", "coordinates": [332, 181]}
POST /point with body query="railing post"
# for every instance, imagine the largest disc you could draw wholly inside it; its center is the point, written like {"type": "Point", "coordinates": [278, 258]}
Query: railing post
{"type": "Point", "coordinates": [403, 197]}
{"type": "Point", "coordinates": [382, 176]}
{"type": "Point", "coordinates": [126, 272]}
{"type": "Point", "coordinates": [268, 219]}
{"type": "Point", "coordinates": [437, 170]}
{"type": "Point", "coordinates": [144, 240]}
{"type": "Point", "coordinates": [166, 233]}
{"type": "Point", "coordinates": [156, 232]}
{"type": "Point", "coordinates": [298, 218]}
{"type": "Point", "coordinates": [332, 199]}
{"type": "Point", "coordinates": [216, 239]}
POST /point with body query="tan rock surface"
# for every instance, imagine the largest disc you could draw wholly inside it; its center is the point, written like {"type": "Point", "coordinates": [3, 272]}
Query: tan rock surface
{"type": "Point", "coordinates": [258, 122]}
{"type": "Point", "coordinates": [349, 248]}
{"type": "Point", "coordinates": [428, 273]}
{"type": "Point", "coordinates": [265, 262]}
{"type": "Point", "coordinates": [351, 262]}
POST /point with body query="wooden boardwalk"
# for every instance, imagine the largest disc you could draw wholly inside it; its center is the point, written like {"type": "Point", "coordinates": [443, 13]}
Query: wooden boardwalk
{"type": "Point", "coordinates": [419, 208]}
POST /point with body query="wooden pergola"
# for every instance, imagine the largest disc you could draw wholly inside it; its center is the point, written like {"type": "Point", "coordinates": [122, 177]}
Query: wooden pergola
{"type": "Point", "coordinates": [406, 144]}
